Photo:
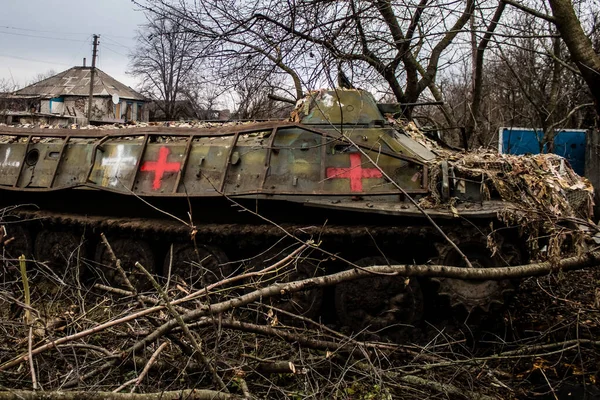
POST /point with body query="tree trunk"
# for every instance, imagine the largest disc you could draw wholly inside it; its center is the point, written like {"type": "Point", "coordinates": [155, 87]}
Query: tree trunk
{"type": "Point", "coordinates": [579, 45]}
{"type": "Point", "coordinates": [477, 80]}
{"type": "Point", "coordinates": [592, 164]}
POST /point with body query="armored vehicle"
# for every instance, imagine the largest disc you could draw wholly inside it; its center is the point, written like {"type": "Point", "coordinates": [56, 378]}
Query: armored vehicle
{"type": "Point", "coordinates": [191, 202]}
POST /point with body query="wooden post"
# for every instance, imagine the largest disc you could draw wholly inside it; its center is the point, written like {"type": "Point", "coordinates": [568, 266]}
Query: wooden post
{"type": "Point", "coordinates": [92, 76]}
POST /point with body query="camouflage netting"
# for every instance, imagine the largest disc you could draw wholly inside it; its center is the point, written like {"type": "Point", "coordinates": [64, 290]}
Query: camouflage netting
{"type": "Point", "coordinates": [543, 194]}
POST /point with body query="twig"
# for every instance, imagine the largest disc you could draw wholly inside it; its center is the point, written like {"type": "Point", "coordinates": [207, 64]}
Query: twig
{"type": "Point", "coordinates": [146, 299]}
{"type": "Point", "coordinates": [199, 352]}
{"type": "Point", "coordinates": [123, 386]}
{"type": "Point", "coordinates": [144, 372]}
{"type": "Point", "coordinates": [549, 384]}
{"type": "Point", "coordinates": [92, 347]}
{"type": "Point", "coordinates": [190, 394]}
{"type": "Point", "coordinates": [31, 365]}
{"type": "Point", "coordinates": [117, 263]}
{"type": "Point", "coordinates": [531, 11]}
{"type": "Point", "coordinates": [95, 372]}
{"type": "Point", "coordinates": [28, 321]}
{"type": "Point", "coordinates": [236, 278]}
{"type": "Point", "coordinates": [148, 365]}
{"type": "Point", "coordinates": [143, 299]}
{"type": "Point", "coordinates": [566, 264]}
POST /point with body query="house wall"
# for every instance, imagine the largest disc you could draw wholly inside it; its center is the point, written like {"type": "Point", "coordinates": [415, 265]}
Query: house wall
{"type": "Point", "coordinates": [52, 106]}
{"type": "Point", "coordinates": [130, 110]}
{"type": "Point", "coordinates": [103, 109]}
{"type": "Point", "coordinates": [13, 104]}
{"type": "Point", "coordinates": [75, 108]}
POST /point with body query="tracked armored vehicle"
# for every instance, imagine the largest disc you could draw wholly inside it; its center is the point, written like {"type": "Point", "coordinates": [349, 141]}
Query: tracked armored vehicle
{"type": "Point", "coordinates": [342, 173]}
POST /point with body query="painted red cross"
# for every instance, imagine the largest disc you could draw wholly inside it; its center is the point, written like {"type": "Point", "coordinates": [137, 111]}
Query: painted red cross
{"type": "Point", "coordinates": [160, 166]}
{"type": "Point", "coordinates": [356, 173]}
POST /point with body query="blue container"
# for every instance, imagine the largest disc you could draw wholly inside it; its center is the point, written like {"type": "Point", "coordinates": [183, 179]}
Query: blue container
{"type": "Point", "coordinates": [569, 143]}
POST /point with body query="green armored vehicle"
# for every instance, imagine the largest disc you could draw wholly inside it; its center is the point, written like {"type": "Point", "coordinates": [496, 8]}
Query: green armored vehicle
{"type": "Point", "coordinates": [342, 173]}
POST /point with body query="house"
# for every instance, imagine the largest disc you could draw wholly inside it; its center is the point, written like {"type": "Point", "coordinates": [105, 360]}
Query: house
{"type": "Point", "coordinates": [63, 98]}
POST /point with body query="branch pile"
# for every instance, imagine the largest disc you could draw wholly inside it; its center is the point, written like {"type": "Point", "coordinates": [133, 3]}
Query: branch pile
{"type": "Point", "coordinates": [228, 341]}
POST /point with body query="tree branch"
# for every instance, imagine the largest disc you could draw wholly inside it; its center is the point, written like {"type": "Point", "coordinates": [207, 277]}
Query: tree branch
{"type": "Point", "coordinates": [191, 394]}
{"type": "Point", "coordinates": [531, 11]}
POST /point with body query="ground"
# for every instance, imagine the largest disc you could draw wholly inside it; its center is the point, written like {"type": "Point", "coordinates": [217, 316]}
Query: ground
{"type": "Point", "coordinates": [543, 345]}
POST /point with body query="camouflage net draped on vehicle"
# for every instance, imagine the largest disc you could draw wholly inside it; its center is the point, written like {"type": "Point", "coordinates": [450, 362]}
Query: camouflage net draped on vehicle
{"type": "Point", "coordinates": [542, 189]}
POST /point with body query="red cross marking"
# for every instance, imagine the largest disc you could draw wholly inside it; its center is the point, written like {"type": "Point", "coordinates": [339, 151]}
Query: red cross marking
{"type": "Point", "coordinates": [160, 166]}
{"type": "Point", "coordinates": [356, 173]}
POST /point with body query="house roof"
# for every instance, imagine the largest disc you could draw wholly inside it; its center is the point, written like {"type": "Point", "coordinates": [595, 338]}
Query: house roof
{"type": "Point", "coordinates": [76, 82]}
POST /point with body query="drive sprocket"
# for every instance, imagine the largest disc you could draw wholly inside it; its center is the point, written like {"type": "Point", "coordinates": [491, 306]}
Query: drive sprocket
{"type": "Point", "coordinates": [306, 303]}
{"type": "Point", "coordinates": [128, 251]}
{"type": "Point", "coordinates": [473, 294]}
{"type": "Point", "coordinates": [197, 264]}
{"type": "Point", "coordinates": [62, 252]}
{"type": "Point", "coordinates": [379, 304]}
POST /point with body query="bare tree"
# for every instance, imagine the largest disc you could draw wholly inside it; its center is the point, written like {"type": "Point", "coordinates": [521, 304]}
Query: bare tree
{"type": "Point", "coordinates": [478, 50]}
{"type": "Point", "coordinates": [395, 46]}
{"type": "Point", "coordinates": [41, 76]}
{"type": "Point", "coordinates": [255, 101]}
{"type": "Point", "coordinates": [202, 98]}
{"type": "Point", "coordinates": [580, 47]}
{"type": "Point", "coordinates": [7, 86]}
{"type": "Point", "coordinates": [236, 49]}
{"type": "Point", "coordinates": [166, 56]}
{"type": "Point", "coordinates": [526, 79]}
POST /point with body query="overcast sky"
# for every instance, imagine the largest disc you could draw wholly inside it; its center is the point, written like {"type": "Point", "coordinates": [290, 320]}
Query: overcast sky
{"type": "Point", "coordinates": [37, 36]}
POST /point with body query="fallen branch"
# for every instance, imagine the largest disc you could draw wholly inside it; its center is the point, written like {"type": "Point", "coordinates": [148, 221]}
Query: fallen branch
{"type": "Point", "coordinates": [28, 319]}
{"type": "Point", "coordinates": [567, 264]}
{"type": "Point", "coordinates": [578, 262]}
{"type": "Point", "coordinates": [147, 367]}
{"type": "Point", "coordinates": [444, 388]}
{"type": "Point", "coordinates": [192, 394]}
{"type": "Point", "coordinates": [117, 262]}
{"type": "Point", "coordinates": [199, 352]}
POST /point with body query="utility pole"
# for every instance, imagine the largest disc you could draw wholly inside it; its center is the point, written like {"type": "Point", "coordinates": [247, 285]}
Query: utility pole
{"type": "Point", "coordinates": [92, 76]}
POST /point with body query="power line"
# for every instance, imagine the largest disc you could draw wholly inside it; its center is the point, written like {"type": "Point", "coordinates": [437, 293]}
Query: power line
{"type": "Point", "coordinates": [107, 47]}
{"type": "Point", "coordinates": [114, 42]}
{"type": "Point", "coordinates": [32, 59]}
{"type": "Point", "coordinates": [67, 33]}
{"type": "Point", "coordinates": [78, 52]}
{"type": "Point", "coordinates": [41, 37]}
{"type": "Point", "coordinates": [118, 37]}
{"type": "Point", "coordinates": [36, 30]}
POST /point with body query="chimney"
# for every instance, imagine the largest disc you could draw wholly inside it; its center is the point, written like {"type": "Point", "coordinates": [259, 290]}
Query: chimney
{"type": "Point", "coordinates": [84, 61]}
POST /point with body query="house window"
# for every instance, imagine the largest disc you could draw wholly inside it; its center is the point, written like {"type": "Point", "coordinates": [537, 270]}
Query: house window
{"type": "Point", "coordinates": [129, 111]}
{"type": "Point", "coordinates": [56, 105]}
{"type": "Point", "coordinates": [140, 114]}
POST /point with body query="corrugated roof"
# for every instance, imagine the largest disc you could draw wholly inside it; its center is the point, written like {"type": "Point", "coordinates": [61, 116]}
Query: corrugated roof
{"type": "Point", "coordinates": [76, 82]}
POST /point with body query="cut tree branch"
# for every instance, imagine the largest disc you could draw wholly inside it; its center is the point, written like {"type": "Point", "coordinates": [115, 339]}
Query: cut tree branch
{"type": "Point", "coordinates": [500, 273]}
{"type": "Point", "coordinates": [192, 394]}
